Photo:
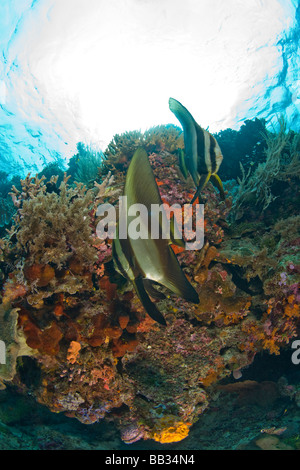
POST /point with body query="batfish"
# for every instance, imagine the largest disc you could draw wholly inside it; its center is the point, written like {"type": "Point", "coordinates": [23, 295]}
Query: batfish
{"type": "Point", "coordinates": [202, 155]}
{"type": "Point", "coordinates": [146, 261]}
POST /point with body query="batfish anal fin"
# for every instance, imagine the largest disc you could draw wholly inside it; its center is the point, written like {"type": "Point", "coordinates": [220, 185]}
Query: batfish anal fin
{"type": "Point", "coordinates": [216, 181]}
{"type": "Point", "coordinates": [148, 305]}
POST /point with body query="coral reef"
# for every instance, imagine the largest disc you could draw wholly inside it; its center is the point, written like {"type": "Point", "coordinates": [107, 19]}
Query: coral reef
{"type": "Point", "coordinates": [86, 165]}
{"type": "Point", "coordinates": [13, 337]}
{"type": "Point", "coordinates": [281, 165]}
{"type": "Point", "coordinates": [245, 147]}
{"type": "Point", "coordinates": [6, 212]}
{"type": "Point", "coordinates": [97, 352]}
{"type": "Point", "coordinates": [120, 150]}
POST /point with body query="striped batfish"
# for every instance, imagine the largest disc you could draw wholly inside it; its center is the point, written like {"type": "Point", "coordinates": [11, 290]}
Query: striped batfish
{"type": "Point", "coordinates": [202, 155]}
{"type": "Point", "coordinates": [146, 261]}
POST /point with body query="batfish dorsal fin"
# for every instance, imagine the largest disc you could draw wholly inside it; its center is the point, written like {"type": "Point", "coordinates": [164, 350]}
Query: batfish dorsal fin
{"type": "Point", "coordinates": [190, 136]}
{"type": "Point", "coordinates": [183, 115]}
{"type": "Point", "coordinates": [140, 184]}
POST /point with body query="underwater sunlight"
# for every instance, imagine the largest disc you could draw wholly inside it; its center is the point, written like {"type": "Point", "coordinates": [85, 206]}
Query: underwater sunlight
{"type": "Point", "coordinates": [83, 71]}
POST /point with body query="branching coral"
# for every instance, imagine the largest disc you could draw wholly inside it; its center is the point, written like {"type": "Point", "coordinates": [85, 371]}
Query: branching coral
{"type": "Point", "coordinates": [120, 150]}
{"type": "Point", "coordinates": [282, 162]}
{"type": "Point", "coordinates": [53, 227]}
{"type": "Point", "coordinates": [156, 139]}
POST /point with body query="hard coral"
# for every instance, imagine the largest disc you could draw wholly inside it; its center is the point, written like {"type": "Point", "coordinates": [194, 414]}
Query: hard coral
{"type": "Point", "coordinates": [43, 237]}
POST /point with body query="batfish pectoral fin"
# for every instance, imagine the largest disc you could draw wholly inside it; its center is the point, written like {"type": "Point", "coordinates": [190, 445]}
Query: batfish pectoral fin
{"type": "Point", "coordinates": [216, 181]}
{"type": "Point", "coordinates": [175, 280]}
{"type": "Point", "coordinates": [175, 235]}
{"type": "Point", "coordinates": [182, 165]}
{"type": "Point", "coordinates": [204, 179]}
{"type": "Point", "coordinates": [148, 305]}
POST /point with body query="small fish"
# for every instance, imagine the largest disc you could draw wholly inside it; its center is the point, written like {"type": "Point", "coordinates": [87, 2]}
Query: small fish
{"type": "Point", "coordinates": [202, 157]}
{"type": "Point", "coordinates": [146, 261]}
{"type": "Point", "coordinates": [274, 431]}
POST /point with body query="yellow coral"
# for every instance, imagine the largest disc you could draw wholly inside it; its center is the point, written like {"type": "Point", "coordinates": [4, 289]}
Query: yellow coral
{"type": "Point", "coordinates": [290, 309]}
{"type": "Point", "coordinates": [271, 346]}
{"type": "Point", "coordinates": [173, 432]}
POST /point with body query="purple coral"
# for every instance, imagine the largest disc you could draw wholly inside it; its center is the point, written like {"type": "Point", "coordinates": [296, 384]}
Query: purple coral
{"type": "Point", "coordinates": [283, 278]}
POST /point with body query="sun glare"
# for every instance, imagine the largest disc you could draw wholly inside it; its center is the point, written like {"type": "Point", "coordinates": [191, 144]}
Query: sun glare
{"type": "Point", "coordinates": [100, 68]}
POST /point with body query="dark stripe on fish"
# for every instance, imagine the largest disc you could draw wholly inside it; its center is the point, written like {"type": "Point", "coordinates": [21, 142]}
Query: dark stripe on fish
{"type": "Point", "coordinates": [203, 155]}
{"type": "Point", "coordinates": [118, 264]}
{"type": "Point", "coordinates": [201, 164]}
{"type": "Point", "coordinates": [212, 153]}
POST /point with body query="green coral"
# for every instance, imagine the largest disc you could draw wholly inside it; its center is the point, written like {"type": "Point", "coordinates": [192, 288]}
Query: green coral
{"type": "Point", "coordinates": [7, 210]}
{"type": "Point", "coordinates": [245, 146]}
{"type": "Point", "coordinates": [86, 165]}
{"type": "Point", "coordinates": [282, 163]}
